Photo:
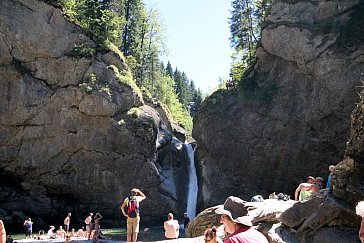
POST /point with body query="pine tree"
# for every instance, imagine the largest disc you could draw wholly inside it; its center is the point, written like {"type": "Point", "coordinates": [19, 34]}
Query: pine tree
{"type": "Point", "coordinates": [245, 22]}
{"type": "Point", "coordinates": [169, 70]}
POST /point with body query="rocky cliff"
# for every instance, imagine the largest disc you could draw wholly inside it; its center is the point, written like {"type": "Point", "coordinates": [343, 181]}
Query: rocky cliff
{"type": "Point", "coordinates": [290, 116]}
{"type": "Point", "coordinates": [75, 132]}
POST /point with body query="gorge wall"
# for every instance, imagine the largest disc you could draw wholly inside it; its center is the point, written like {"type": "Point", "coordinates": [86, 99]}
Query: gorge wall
{"type": "Point", "coordinates": [75, 133]}
{"type": "Point", "coordinates": [290, 116]}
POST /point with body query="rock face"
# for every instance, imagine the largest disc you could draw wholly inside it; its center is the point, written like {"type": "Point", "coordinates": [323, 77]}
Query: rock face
{"type": "Point", "coordinates": [290, 117]}
{"type": "Point", "coordinates": [348, 179]}
{"type": "Point", "coordinates": [75, 136]}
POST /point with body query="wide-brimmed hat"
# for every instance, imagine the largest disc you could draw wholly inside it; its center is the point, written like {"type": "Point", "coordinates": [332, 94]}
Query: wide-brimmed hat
{"type": "Point", "coordinates": [236, 209]}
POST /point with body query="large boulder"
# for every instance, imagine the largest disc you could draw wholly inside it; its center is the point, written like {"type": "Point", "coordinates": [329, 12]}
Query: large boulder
{"type": "Point", "coordinates": [322, 218]}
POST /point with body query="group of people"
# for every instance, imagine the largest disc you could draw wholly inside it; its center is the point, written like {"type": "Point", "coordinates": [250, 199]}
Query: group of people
{"type": "Point", "coordinates": [233, 215]}
{"type": "Point", "coordinates": [130, 209]}
{"type": "Point", "coordinates": [63, 232]}
{"type": "Point", "coordinates": [304, 190]}
{"type": "Point", "coordinates": [312, 185]}
{"type": "Point", "coordinates": [93, 229]}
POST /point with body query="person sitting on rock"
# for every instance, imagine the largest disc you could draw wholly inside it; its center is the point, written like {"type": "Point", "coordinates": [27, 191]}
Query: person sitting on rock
{"type": "Point", "coordinates": [61, 233]}
{"type": "Point", "coordinates": [81, 232]}
{"type": "Point", "coordinates": [50, 233]}
{"type": "Point", "coordinates": [171, 227]}
{"type": "Point", "coordinates": [304, 189]}
{"type": "Point", "coordinates": [319, 184]}
{"type": "Point", "coordinates": [360, 212]}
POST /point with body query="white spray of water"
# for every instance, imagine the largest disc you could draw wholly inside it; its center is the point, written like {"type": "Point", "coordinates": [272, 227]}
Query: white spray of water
{"type": "Point", "coordinates": [192, 183]}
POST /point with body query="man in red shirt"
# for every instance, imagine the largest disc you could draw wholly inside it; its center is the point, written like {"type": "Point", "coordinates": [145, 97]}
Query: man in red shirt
{"type": "Point", "coordinates": [234, 216]}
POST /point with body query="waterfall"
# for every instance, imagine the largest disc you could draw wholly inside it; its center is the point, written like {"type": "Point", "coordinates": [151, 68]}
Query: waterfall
{"type": "Point", "coordinates": [192, 183]}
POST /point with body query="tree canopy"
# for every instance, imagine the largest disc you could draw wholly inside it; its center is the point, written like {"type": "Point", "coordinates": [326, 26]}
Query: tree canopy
{"type": "Point", "coordinates": [246, 20]}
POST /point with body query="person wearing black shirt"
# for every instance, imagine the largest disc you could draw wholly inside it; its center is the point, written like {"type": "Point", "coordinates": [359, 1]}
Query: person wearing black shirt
{"type": "Point", "coordinates": [186, 220]}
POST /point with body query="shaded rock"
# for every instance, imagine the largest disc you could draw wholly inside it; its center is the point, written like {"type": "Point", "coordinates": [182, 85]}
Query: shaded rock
{"type": "Point", "coordinates": [319, 217]}
{"type": "Point", "coordinates": [3, 213]}
{"type": "Point", "coordinates": [300, 211]}
{"type": "Point", "coordinates": [278, 233]}
{"type": "Point", "coordinates": [348, 180]}
{"type": "Point", "coordinates": [334, 234]}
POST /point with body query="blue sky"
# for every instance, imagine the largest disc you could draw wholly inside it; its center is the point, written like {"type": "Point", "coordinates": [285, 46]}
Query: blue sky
{"type": "Point", "coordinates": [197, 34]}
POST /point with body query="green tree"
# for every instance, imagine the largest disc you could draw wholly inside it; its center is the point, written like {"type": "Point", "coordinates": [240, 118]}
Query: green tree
{"type": "Point", "coordinates": [246, 20]}
{"type": "Point", "coordinates": [96, 17]}
{"type": "Point", "coordinates": [169, 69]}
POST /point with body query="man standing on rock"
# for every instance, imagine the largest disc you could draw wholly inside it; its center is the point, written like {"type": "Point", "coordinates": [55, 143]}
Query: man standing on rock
{"type": "Point", "coordinates": [360, 212]}
{"type": "Point", "coordinates": [171, 227]}
{"type": "Point", "coordinates": [132, 213]}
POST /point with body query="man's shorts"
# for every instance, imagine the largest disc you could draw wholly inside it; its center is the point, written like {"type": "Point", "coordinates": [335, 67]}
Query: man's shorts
{"type": "Point", "coordinates": [132, 225]}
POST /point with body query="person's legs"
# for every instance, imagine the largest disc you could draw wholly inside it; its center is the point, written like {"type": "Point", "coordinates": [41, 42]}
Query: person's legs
{"type": "Point", "coordinates": [129, 229]}
{"type": "Point", "coordinates": [87, 230]}
{"type": "Point", "coordinates": [136, 228]}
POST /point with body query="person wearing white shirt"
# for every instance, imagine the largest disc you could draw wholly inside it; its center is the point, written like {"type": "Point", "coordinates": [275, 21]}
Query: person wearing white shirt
{"type": "Point", "coordinates": [171, 227]}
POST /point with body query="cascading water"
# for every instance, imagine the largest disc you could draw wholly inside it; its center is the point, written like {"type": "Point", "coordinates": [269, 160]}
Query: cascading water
{"type": "Point", "coordinates": [192, 183]}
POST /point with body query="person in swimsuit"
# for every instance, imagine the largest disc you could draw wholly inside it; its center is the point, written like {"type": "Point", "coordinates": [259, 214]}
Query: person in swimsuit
{"type": "Point", "coordinates": [88, 222]}
{"type": "Point", "coordinates": [303, 190]}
